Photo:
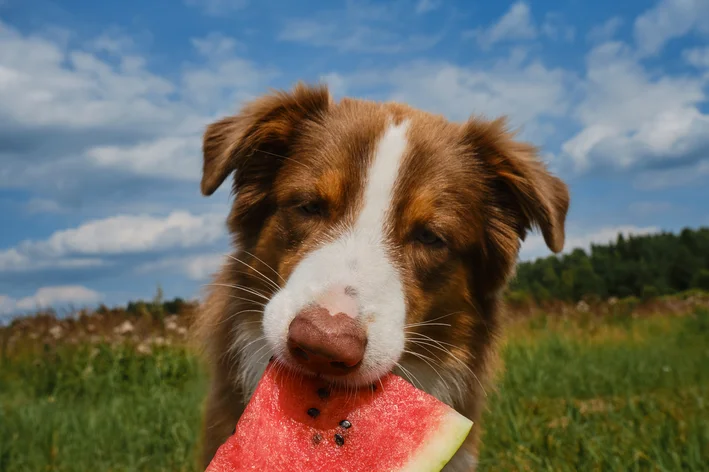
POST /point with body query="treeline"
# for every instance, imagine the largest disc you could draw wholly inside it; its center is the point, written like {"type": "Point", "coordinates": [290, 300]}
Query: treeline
{"type": "Point", "coordinates": [641, 266]}
{"type": "Point", "coordinates": [157, 308]}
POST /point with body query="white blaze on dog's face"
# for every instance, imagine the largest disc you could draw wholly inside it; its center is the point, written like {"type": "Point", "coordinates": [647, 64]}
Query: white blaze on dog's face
{"type": "Point", "coordinates": [375, 220]}
{"type": "Point", "coordinates": [354, 273]}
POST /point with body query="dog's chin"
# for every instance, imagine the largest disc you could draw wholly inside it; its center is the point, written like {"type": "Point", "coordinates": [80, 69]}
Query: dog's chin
{"type": "Point", "coordinates": [361, 377]}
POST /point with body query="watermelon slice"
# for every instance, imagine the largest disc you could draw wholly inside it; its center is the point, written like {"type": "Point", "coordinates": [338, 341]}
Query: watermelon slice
{"type": "Point", "coordinates": [300, 424]}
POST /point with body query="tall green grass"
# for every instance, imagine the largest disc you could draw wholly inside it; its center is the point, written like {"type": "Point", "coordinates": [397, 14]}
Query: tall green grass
{"type": "Point", "coordinates": [100, 409]}
{"type": "Point", "coordinates": [588, 395]}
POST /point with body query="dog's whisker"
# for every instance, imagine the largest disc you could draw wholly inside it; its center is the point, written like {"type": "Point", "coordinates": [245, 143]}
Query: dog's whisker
{"type": "Point", "coordinates": [268, 266]}
{"type": "Point", "coordinates": [428, 338]}
{"type": "Point", "coordinates": [410, 374]}
{"type": "Point", "coordinates": [426, 324]}
{"type": "Point", "coordinates": [261, 304]}
{"type": "Point", "coordinates": [254, 269]}
{"type": "Point", "coordinates": [426, 360]}
{"type": "Point", "coordinates": [242, 287]}
{"type": "Point", "coordinates": [242, 348]}
{"type": "Point", "coordinates": [266, 291]}
{"type": "Point", "coordinates": [262, 356]}
{"type": "Point", "coordinates": [435, 319]}
{"type": "Point", "coordinates": [456, 358]}
{"type": "Point", "coordinates": [231, 317]}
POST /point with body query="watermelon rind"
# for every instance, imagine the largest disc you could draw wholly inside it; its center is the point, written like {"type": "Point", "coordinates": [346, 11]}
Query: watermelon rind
{"type": "Point", "coordinates": [442, 444]}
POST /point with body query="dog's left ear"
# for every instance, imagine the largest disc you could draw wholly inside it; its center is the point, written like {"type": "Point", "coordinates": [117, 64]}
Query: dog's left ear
{"type": "Point", "coordinates": [535, 197]}
{"type": "Point", "coordinates": [248, 142]}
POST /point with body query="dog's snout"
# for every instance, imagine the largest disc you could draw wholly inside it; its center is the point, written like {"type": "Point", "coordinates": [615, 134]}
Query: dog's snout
{"type": "Point", "coordinates": [326, 343]}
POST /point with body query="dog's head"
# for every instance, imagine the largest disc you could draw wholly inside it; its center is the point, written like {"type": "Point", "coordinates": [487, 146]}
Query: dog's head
{"type": "Point", "coordinates": [371, 231]}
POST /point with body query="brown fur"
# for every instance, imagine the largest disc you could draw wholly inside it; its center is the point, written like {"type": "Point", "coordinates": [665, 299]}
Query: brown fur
{"type": "Point", "coordinates": [471, 184]}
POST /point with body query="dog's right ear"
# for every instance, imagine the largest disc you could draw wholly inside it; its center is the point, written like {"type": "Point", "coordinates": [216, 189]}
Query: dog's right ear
{"type": "Point", "coordinates": [266, 124]}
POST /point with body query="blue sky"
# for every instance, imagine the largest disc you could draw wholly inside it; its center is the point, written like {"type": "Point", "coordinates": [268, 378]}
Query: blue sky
{"type": "Point", "coordinates": [102, 105]}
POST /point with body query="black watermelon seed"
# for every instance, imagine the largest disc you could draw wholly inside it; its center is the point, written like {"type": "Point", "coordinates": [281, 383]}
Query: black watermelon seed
{"type": "Point", "coordinates": [316, 439]}
{"type": "Point", "coordinates": [323, 393]}
{"type": "Point", "coordinates": [345, 424]}
{"type": "Point", "coordinates": [339, 440]}
{"type": "Point", "coordinates": [373, 387]}
{"type": "Point", "coordinates": [313, 412]}
{"type": "Point", "coordinates": [271, 359]}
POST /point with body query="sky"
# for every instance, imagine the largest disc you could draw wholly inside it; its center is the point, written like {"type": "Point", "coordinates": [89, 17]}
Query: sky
{"type": "Point", "coordinates": [102, 106]}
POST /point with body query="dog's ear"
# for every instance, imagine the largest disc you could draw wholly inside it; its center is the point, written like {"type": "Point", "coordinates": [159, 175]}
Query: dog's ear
{"type": "Point", "coordinates": [266, 124]}
{"type": "Point", "coordinates": [524, 188]}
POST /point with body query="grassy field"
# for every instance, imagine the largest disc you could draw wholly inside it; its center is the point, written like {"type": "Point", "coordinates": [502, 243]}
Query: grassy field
{"type": "Point", "coordinates": [587, 395]}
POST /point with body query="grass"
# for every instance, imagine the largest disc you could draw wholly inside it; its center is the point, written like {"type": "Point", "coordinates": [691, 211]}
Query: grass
{"type": "Point", "coordinates": [589, 395]}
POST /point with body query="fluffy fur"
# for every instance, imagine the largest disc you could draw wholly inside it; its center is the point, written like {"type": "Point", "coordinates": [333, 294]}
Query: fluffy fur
{"type": "Point", "coordinates": [417, 219]}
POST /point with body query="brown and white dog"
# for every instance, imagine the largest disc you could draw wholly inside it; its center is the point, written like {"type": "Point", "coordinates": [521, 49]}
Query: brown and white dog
{"type": "Point", "coordinates": [370, 237]}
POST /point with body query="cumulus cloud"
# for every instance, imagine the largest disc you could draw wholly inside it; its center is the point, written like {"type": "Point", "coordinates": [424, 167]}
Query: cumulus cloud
{"type": "Point", "coordinates": [634, 119]}
{"type": "Point", "coordinates": [667, 20]}
{"type": "Point", "coordinates": [535, 247]}
{"type": "Point", "coordinates": [196, 267]}
{"type": "Point", "coordinates": [605, 31]}
{"type": "Point", "coordinates": [425, 6]}
{"type": "Point", "coordinates": [218, 7]}
{"type": "Point", "coordinates": [74, 121]}
{"type": "Point", "coordinates": [556, 27]}
{"type": "Point", "coordinates": [529, 93]}
{"type": "Point", "coordinates": [698, 57]}
{"type": "Point", "coordinates": [172, 157]}
{"type": "Point", "coordinates": [694, 174]}
{"type": "Point", "coordinates": [359, 27]}
{"type": "Point", "coordinates": [123, 234]}
{"type": "Point", "coordinates": [516, 24]}
{"type": "Point", "coordinates": [47, 297]}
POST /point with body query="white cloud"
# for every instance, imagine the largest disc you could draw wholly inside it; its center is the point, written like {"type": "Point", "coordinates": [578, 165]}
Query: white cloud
{"type": "Point", "coordinates": [47, 297]}
{"type": "Point", "coordinates": [605, 31]}
{"type": "Point", "coordinates": [694, 174]}
{"type": "Point", "coordinates": [69, 117]}
{"type": "Point", "coordinates": [195, 267]}
{"type": "Point", "coordinates": [43, 205]}
{"type": "Point", "coordinates": [698, 57]}
{"type": "Point", "coordinates": [359, 27]}
{"type": "Point", "coordinates": [527, 91]}
{"type": "Point", "coordinates": [516, 24]}
{"type": "Point", "coordinates": [535, 247]}
{"type": "Point", "coordinates": [115, 235]}
{"type": "Point", "coordinates": [177, 157]}
{"type": "Point", "coordinates": [425, 6]}
{"type": "Point", "coordinates": [42, 85]}
{"type": "Point", "coordinates": [218, 7]}
{"type": "Point", "coordinates": [556, 27]}
{"type": "Point", "coordinates": [632, 118]}
{"type": "Point", "coordinates": [669, 19]}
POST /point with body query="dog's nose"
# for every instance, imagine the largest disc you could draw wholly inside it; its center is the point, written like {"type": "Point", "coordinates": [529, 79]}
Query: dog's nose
{"type": "Point", "coordinates": [325, 342]}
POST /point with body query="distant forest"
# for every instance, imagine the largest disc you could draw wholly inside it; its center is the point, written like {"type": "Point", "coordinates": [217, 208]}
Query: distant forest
{"type": "Point", "coordinates": [640, 266]}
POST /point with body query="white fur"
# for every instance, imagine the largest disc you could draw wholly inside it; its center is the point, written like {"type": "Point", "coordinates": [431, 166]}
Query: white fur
{"type": "Point", "coordinates": [359, 259]}
{"type": "Point", "coordinates": [254, 353]}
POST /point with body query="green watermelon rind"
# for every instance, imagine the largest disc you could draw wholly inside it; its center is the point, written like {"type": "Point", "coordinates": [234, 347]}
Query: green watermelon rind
{"type": "Point", "coordinates": [442, 444]}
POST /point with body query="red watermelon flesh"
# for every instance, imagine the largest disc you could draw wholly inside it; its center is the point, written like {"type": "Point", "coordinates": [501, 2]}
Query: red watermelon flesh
{"type": "Point", "coordinates": [299, 424]}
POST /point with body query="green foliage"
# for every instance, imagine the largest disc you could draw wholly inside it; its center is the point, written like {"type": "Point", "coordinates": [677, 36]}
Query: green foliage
{"type": "Point", "coordinates": [641, 266]}
{"type": "Point", "coordinates": [701, 280]}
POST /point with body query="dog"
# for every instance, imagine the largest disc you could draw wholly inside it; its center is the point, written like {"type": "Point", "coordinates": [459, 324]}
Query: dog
{"type": "Point", "coordinates": [396, 228]}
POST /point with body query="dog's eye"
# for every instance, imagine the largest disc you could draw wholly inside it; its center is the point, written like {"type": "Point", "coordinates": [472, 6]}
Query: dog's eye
{"type": "Point", "coordinates": [428, 237]}
{"type": "Point", "coordinates": [312, 208]}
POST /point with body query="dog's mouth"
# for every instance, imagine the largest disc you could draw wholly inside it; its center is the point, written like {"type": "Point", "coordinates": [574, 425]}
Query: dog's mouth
{"type": "Point", "coordinates": [359, 375]}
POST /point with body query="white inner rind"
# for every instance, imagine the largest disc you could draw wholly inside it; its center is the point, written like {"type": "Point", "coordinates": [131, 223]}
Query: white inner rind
{"type": "Point", "coordinates": [441, 445]}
